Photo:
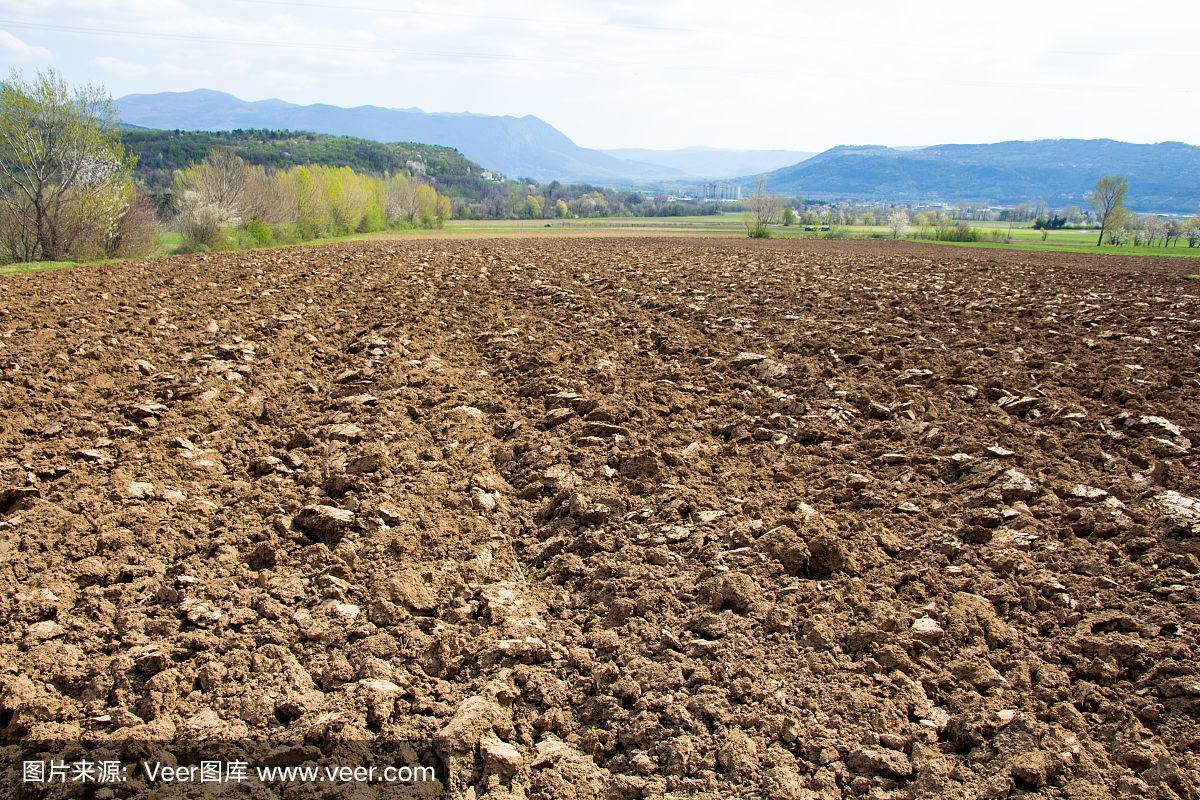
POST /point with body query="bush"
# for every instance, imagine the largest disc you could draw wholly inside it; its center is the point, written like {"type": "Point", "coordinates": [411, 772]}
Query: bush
{"type": "Point", "coordinates": [372, 220]}
{"type": "Point", "coordinates": [758, 231]}
{"type": "Point", "coordinates": [136, 233]}
{"type": "Point", "coordinates": [956, 232]}
{"type": "Point", "coordinates": [202, 222]}
{"type": "Point", "coordinates": [259, 233]}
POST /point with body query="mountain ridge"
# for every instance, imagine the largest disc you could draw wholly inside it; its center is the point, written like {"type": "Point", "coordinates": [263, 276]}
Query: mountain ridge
{"type": "Point", "coordinates": [1164, 176]}
{"type": "Point", "coordinates": [520, 147]}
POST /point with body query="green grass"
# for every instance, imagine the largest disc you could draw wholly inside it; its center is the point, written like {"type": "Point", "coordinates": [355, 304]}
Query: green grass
{"type": "Point", "coordinates": [167, 244]}
{"type": "Point", "coordinates": [728, 225]}
{"type": "Point", "coordinates": [1091, 249]}
{"type": "Point", "coordinates": [25, 267]}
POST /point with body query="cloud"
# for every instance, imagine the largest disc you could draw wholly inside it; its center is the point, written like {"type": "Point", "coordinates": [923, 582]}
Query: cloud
{"type": "Point", "coordinates": [116, 66]}
{"type": "Point", "coordinates": [14, 50]}
{"type": "Point", "coordinates": [768, 74]}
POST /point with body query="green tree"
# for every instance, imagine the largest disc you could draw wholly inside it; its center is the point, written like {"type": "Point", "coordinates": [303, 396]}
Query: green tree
{"type": "Point", "coordinates": [1108, 201]}
{"type": "Point", "coordinates": [789, 216]}
{"type": "Point", "coordinates": [445, 209]}
{"type": "Point", "coordinates": [427, 205]}
{"type": "Point", "coordinates": [534, 203]}
{"type": "Point", "coordinates": [64, 177]}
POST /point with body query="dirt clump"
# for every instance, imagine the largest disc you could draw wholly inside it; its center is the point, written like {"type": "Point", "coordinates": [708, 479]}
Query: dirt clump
{"type": "Point", "coordinates": [616, 518]}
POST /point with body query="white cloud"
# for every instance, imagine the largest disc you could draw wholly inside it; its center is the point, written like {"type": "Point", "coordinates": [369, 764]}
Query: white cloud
{"type": "Point", "coordinates": [777, 73]}
{"type": "Point", "coordinates": [16, 51]}
{"type": "Point", "coordinates": [115, 66]}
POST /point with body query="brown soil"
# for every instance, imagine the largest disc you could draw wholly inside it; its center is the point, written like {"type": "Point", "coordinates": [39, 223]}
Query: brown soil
{"type": "Point", "coordinates": [616, 518]}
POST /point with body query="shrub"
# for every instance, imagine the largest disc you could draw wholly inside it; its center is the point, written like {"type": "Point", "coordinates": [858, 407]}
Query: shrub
{"type": "Point", "coordinates": [136, 232]}
{"type": "Point", "coordinates": [259, 233]}
{"type": "Point", "coordinates": [372, 220]}
{"type": "Point", "coordinates": [757, 231]}
{"type": "Point", "coordinates": [202, 221]}
{"type": "Point", "coordinates": [956, 232]}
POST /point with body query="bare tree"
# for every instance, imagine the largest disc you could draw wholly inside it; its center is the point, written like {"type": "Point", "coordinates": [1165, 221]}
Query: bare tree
{"type": "Point", "coordinates": [212, 195]}
{"type": "Point", "coordinates": [1108, 200]}
{"type": "Point", "coordinates": [762, 209]}
{"type": "Point", "coordinates": [222, 179]}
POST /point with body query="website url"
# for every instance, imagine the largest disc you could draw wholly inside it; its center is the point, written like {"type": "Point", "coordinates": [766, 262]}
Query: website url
{"type": "Point", "coordinates": [239, 772]}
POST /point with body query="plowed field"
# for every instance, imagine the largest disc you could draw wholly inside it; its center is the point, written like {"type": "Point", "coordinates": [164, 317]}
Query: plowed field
{"type": "Point", "coordinates": [615, 518]}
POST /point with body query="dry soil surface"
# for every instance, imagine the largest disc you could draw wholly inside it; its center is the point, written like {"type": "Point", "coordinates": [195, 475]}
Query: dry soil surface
{"type": "Point", "coordinates": [615, 518]}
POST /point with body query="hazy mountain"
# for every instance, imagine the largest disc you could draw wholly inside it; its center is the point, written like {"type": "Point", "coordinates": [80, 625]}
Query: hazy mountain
{"type": "Point", "coordinates": [1162, 177]}
{"type": "Point", "coordinates": [712, 162]}
{"type": "Point", "coordinates": [520, 147]}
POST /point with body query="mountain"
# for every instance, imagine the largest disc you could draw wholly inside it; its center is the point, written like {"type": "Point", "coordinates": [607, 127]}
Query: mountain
{"type": "Point", "coordinates": [520, 147]}
{"type": "Point", "coordinates": [711, 162]}
{"type": "Point", "coordinates": [1162, 177]}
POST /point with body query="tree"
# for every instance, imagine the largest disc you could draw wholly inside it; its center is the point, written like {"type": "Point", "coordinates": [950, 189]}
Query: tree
{"type": "Point", "coordinates": [534, 203]}
{"type": "Point", "coordinates": [1017, 215]}
{"type": "Point", "coordinates": [1191, 231]}
{"type": "Point", "coordinates": [1153, 229]}
{"type": "Point", "coordinates": [1108, 200]}
{"type": "Point", "coordinates": [1172, 230]}
{"type": "Point", "coordinates": [211, 196]}
{"type": "Point", "coordinates": [401, 202]}
{"type": "Point", "coordinates": [64, 177]}
{"type": "Point", "coordinates": [789, 216]}
{"type": "Point", "coordinates": [560, 209]}
{"type": "Point", "coordinates": [445, 210]}
{"type": "Point", "coordinates": [897, 222]}
{"type": "Point", "coordinates": [762, 209]}
{"type": "Point", "coordinates": [427, 205]}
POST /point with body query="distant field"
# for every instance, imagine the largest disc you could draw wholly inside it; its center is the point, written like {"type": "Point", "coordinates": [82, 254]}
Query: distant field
{"type": "Point", "coordinates": [730, 225]}
{"type": "Point", "coordinates": [722, 225]}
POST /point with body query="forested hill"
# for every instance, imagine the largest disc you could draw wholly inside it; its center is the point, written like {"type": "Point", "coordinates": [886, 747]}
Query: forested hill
{"type": "Point", "coordinates": [521, 147]}
{"type": "Point", "coordinates": [159, 153]}
{"type": "Point", "coordinates": [476, 192]}
{"type": "Point", "coordinates": [1162, 177]}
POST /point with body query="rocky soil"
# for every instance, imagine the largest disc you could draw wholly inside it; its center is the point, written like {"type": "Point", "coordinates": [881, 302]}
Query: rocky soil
{"type": "Point", "coordinates": [615, 518]}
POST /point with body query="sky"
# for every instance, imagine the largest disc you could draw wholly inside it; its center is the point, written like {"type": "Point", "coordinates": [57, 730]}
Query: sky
{"type": "Point", "coordinates": [792, 75]}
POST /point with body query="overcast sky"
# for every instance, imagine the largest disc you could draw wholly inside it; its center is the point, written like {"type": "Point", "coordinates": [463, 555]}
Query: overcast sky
{"type": "Point", "coordinates": [793, 74]}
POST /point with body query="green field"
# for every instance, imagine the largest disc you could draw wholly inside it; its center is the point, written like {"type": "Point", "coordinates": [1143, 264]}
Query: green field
{"type": "Point", "coordinates": [722, 225]}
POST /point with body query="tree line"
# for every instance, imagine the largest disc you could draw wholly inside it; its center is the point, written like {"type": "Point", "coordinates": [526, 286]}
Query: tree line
{"type": "Point", "coordinates": [160, 153]}
{"type": "Point", "coordinates": [68, 188]}
{"type": "Point", "coordinates": [1104, 212]}
{"type": "Point", "coordinates": [224, 202]}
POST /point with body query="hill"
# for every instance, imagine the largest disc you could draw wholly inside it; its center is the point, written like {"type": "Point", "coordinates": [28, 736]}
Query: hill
{"type": "Point", "coordinates": [525, 147]}
{"type": "Point", "coordinates": [711, 162]}
{"type": "Point", "coordinates": [1162, 177]}
{"type": "Point", "coordinates": [160, 152]}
